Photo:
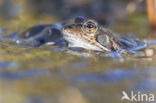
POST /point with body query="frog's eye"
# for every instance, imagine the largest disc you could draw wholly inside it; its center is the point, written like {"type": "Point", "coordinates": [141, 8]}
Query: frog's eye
{"type": "Point", "coordinates": [90, 27]}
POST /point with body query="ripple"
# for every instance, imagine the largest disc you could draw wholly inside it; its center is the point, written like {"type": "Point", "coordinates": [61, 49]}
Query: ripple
{"type": "Point", "coordinates": [6, 64]}
{"type": "Point", "coordinates": [105, 77]}
{"type": "Point", "coordinates": [23, 74]}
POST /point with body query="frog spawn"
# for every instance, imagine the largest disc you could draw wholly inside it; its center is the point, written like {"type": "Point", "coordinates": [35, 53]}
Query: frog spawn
{"type": "Point", "coordinates": [88, 26]}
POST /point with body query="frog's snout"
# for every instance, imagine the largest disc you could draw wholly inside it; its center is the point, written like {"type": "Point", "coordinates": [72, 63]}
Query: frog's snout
{"type": "Point", "coordinates": [66, 28]}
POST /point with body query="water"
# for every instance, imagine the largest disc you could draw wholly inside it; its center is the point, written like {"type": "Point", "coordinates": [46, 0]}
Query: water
{"type": "Point", "coordinates": [49, 74]}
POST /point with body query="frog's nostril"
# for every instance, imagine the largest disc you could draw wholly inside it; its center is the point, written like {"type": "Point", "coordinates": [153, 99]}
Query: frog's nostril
{"type": "Point", "coordinates": [69, 26]}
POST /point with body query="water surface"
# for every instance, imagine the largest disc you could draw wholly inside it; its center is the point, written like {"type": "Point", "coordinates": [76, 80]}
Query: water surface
{"type": "Point", "coordinates": [49, 74]}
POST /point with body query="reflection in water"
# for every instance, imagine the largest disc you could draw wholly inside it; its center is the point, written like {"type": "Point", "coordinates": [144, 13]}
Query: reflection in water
{"type": "Point", "coordinates": [23, 74]}
{"type": "Point", "coordinates": [49, 74]}
{"type": "Point", "coordinates": [2, 30]}
{"type": "Point", "coordinates": [4, 64]}
{"type": "Point", "coordinates": [147, 82]}
{"type": "Point", "coordinates": [111, 76]}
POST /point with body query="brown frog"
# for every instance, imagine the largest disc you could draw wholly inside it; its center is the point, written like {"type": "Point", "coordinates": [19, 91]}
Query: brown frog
{"type": "Point", "coordinates": [88, 34]}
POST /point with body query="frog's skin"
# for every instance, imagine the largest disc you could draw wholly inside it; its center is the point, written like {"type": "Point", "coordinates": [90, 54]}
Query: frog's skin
{"type": "Point", "coordinates": [78, 32]}
{"type": "Point", "coordinates": [88, 34]}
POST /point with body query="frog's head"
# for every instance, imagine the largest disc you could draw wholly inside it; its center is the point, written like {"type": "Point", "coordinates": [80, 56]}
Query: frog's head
{"type": "Point", "coordinates": [86, 33]}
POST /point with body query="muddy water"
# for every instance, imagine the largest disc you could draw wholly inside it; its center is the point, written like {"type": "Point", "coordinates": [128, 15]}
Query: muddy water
{"type": "Point", "coordinates": [49, 74]}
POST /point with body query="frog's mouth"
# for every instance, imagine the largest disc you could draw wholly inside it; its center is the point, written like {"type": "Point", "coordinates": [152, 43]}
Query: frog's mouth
{"type": "Point", "coordinates": [97, 43]}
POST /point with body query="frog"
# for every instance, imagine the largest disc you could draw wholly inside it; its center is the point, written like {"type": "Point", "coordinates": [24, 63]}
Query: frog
{"type": "Point", "coordinates": [79, 32]}
{"type": "Point", "coordinates": [89, 34]}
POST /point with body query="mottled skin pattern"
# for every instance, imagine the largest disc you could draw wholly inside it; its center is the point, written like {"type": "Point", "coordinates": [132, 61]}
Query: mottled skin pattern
{"type": "Point", "coordinates": [88, 30]}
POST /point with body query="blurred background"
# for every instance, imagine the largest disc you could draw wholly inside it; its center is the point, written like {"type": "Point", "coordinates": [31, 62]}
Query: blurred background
{"type": "Point", "coordinates": [102, 10]}
{"type": "Point", "coordinates": [50, 75]}
{"type": "Point", "coordinates": [25, 13]}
